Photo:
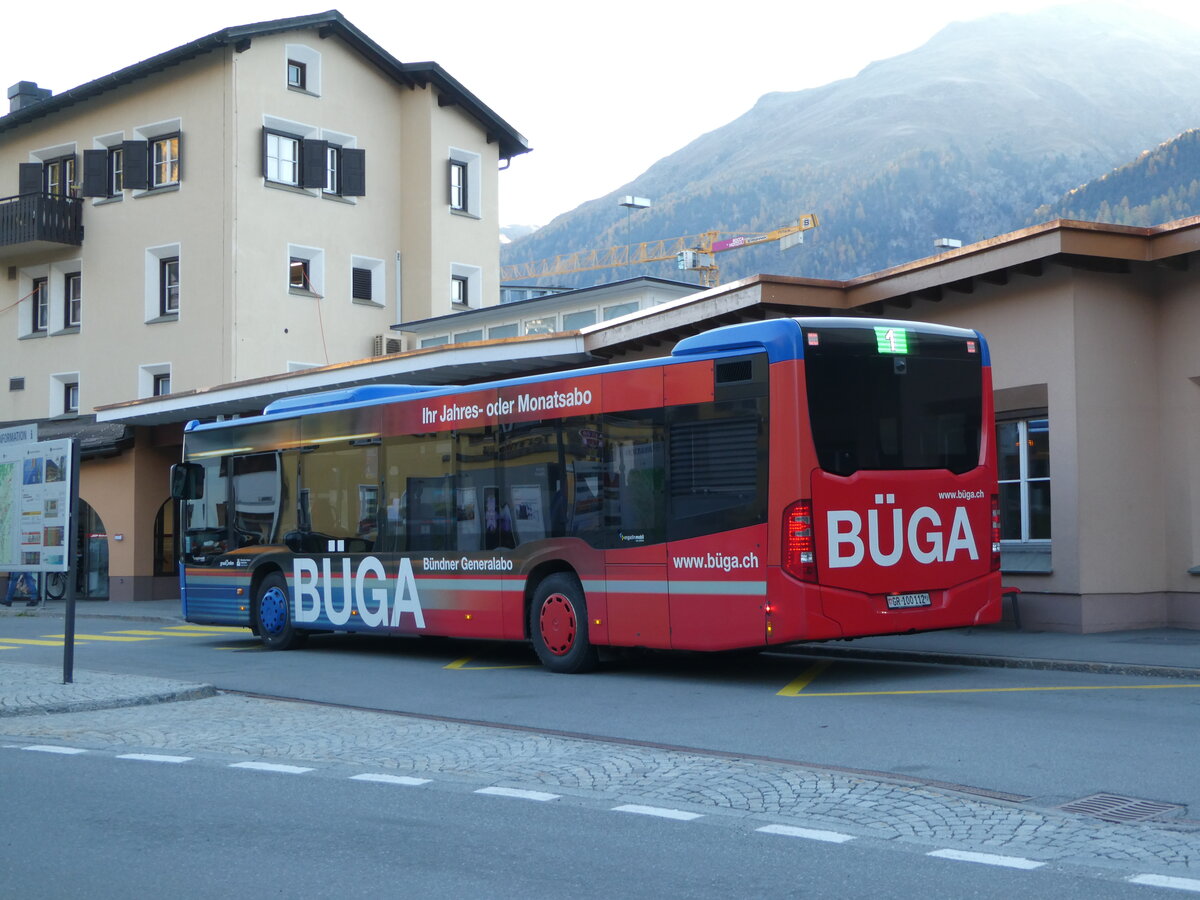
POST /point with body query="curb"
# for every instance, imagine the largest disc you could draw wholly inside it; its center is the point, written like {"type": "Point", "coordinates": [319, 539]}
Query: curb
{"type": "Point", "coordinates": [195, 692]}
{"type": "Point", "coordinates": [1003, 662]}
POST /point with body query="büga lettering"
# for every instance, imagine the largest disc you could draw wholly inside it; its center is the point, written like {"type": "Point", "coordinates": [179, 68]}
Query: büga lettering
{"type": "Point", "coordinates": [313, 591]}
{"type": "Point", "coordinates": [921, 536]}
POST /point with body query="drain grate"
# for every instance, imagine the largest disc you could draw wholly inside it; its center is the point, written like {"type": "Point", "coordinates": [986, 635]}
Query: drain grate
{"type": "Point", "coordinates": [1115, 808]}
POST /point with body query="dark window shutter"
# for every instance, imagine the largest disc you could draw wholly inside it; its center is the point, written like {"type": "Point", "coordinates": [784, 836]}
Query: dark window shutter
{"type": "Point", "coordinates": [312, 171]}
{"type": "Point", "coordinates": [264, 152]}
{"type": "Point", "coordinates": [361, 284]}
{"type": "Point", "coordinates": [95, 173]}
{"type": "Point", "coordinates": [29, 179]}
{"type": "Point", "coordinates": [354, 173]}
{"type": "Point", "coordinates": [136, 165]}
{"type": "Point", "coordinates": [450, 183]}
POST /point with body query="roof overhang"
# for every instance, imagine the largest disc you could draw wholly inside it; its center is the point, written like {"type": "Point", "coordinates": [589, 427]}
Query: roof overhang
{"type": "Point", "coordinates": [455, 364]}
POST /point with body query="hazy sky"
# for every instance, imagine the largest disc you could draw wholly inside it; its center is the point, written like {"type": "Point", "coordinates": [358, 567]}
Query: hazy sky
{"type": "Point", "coordinates": [600, 91]}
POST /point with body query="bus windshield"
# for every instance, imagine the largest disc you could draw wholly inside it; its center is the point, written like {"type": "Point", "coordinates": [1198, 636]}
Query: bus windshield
{"type": "Point", "coordinates": [878, 404]}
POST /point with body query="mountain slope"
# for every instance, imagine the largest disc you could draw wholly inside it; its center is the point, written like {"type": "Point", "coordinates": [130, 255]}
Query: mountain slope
{"type": "Point", "coordinates": [960, 138]}
{"type": "Point", "coordinates": [1159, 186]}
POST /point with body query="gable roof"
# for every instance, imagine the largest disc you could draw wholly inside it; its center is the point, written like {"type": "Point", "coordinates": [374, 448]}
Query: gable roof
{"type": "Point", "coordinates": [330, 24]}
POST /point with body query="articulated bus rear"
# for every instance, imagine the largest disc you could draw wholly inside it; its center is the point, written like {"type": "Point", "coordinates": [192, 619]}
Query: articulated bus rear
{"type": "Point", "coordinates": [891, 517]}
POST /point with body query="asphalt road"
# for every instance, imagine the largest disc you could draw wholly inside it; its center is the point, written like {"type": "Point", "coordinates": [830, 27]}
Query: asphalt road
{"type": "Point", "coordinates": [208, 828]}
{"type": "Point", "coordinates": [1052, 737]}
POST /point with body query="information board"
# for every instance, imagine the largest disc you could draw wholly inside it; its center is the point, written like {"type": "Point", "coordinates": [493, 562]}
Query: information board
{"type": "Point", "coordinates": [35, 502]}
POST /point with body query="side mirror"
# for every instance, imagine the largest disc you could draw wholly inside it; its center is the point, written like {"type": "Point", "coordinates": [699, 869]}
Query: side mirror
{"type": "Point", "coordinates": [187, 481]}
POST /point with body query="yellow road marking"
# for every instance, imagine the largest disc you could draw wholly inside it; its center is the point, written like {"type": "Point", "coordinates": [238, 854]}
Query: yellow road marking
{"type": "Point", "coordinates": [462, 664]}
{"type": "Point", "coordinates": [32, 642]}
{"type": "Point", "coordinates": [186, 634]}
{"type": "Point", "coordinates": [100, 637]}
{"type": "Point", "coordinates": [1010, 690]}
{"type": "Point", "coordinates": [208, 629]}
{"type": "Point", "coordinates": [804, 680]}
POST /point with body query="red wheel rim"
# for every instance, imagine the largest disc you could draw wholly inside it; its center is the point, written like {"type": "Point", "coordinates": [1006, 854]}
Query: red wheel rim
{"type": "Point", "coordinates": [558, 625]}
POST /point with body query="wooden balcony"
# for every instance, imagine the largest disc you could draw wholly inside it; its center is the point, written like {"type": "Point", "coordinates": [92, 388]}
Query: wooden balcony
{"type": "Point", "coordinates": [34, 223]}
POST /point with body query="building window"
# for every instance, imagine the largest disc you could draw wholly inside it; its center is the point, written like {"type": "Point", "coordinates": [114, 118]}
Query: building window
{"type": "Point", "coordinates": [462, 337]}
{"type": "Point", "coordinates": [116, 169]}
{"type": "Point", "coordinates": [283, 158]}
{"type": "Point", "coordinates": [296, 74]}
{"type": "Point", "coordinates": [1023, 447]}
{"type": "Point", "coordinates": [70, 397]}
{"type": "Point", "coordinates": [58, 176]}
{"type": "Point", "coordinates": [577, 320]}
{"type": "Point", "coordinates": [303, 68]}
{"type": "Point", "coordinates": [463, 182]}
{"type": "Point", "coordinates": [621, 309]}
{"type": "Point", "coordinates": [502, 331]}
{"type": "Point", "coordinates": [306, 270]}
{"type": "Point", "coordinates": [458, 185]}
{"type": "Point", "coordinates": [168, 286]}
{"type": "Point", "coordinates": [333, 169]}
{"type": "Point", "coordinates": [298, 274]}
{"type": "Point", "coordinates": [72, 299]}
{"type": "Point", "coordinates": [164, 161]}
{"type": "Point", "coordinates": [162, 384]}
{"type": "Point", "coordinates": [40, 295]}
{"type": "Point", "coordinates": [466, 285]}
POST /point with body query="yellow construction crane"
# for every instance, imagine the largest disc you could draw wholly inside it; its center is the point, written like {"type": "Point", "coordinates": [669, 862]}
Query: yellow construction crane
{"type": "Point", "coordinates": [692, 252]}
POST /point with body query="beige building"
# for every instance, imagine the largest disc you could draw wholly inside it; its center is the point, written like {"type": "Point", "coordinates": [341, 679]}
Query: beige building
{"type": "Point", "coordinates": [1094, 333]}
{"type": "Point", "coordinates": [262, 200]}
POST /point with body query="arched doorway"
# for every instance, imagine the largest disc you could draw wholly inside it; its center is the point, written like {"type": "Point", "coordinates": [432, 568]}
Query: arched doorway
{"type": "Point", "coordinates": [91, 555]}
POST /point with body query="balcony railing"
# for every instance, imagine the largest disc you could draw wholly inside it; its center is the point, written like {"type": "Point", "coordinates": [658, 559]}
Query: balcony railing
{"type": "Point", "coordinates": [33, 218]}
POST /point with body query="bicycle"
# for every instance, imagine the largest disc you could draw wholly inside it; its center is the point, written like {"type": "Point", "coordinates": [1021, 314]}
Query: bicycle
{"type": "Point", "coordinates": [56, 585]}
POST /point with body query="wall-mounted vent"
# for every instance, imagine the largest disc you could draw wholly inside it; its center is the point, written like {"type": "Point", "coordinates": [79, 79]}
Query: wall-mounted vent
{"type": "Point", "coordinates": [16, 384]}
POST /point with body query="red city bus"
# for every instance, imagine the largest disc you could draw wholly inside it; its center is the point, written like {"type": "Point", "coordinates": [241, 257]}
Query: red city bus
{"type": "Point", "coordinates": [770, 482]}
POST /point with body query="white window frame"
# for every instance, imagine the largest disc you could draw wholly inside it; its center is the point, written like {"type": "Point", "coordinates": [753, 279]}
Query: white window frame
{"type": "Point", "coordinates": [337, 143]}
{"type": "Point", "coordinates": [63, 272]}
{"type": "Point", "coordinates": [1024, 479]}
{"type": "Point", "coordinates": [153, 287]}
{"type": "Point", "coordinates": [277, 159]}
{"type": "Point", "coordinates": [473, 165]}
{"type": "Point", "coordinates": [315, 257]}
{"type": "Point", "coordinates": [58, 387]}
{"type": "Point", "coordinates": [146, 377]}
{"type": "Point", "coordinates": [473, 277]}
{"type": "Point", "coordinates": [151, 133]}
{"type": "Point", "coordinates": [25, 280]}
{"type": "Point", "coordinates": [311, 59]}
{"type": "Point", "coordinates": [110, 143]}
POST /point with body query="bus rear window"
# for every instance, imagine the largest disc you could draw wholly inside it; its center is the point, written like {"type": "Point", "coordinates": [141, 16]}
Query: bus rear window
{"type": "Point", "coordinates": [916, 405]}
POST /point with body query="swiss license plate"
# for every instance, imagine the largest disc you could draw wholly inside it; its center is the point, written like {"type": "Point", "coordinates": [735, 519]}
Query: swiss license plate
{"type": "Point", "coordinates": [906, 601]}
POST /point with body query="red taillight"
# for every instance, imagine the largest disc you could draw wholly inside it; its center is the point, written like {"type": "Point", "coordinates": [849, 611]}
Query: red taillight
{"type": "Point", "coordinates": [995, 532]}
{"type": "Point", "coordinates": [799, 542]}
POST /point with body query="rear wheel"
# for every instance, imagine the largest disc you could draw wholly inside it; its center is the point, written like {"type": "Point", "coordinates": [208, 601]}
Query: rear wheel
{"type": "Point", "coordinates": [558, 623]}
{"type": "Point", "coordinates": [273, 615]}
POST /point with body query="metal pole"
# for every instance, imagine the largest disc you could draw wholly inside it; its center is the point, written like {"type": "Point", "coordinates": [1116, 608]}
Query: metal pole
{"type": "Point", "coordinates": [73, 567]}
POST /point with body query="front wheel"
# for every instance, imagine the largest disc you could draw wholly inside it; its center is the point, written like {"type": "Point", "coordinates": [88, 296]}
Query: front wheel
{"type": "Point", "coordinates": [558, 623]}
{"type": "Point", "coordinates": [273, 615]}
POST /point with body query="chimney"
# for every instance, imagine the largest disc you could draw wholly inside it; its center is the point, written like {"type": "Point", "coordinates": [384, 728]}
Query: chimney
{"type": "Point", "coordinates": [26, 93]}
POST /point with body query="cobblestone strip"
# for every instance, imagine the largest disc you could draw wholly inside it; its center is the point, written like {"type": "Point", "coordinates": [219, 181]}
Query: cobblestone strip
{"type": "Point", "coordinates": [38, 691]}
{"type": "Point", "coordinates": [280, 731]}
